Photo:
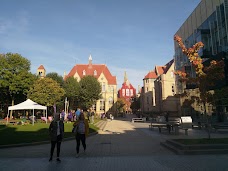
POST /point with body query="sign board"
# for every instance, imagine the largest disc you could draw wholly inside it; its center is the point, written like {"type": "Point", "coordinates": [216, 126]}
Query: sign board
{"type": "Point", "coordinates": [186, 119]}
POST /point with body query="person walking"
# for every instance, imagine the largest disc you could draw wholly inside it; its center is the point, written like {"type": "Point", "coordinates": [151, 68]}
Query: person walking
{"type": "Point", "coordinates": [88, 115]}
{"type": "Point", "coordinates": [77, 113]}
{"type": "Point", "coordinates": [56, 131]}
{"type": "Point", "coordinates": [92, 117]}
{"type": "Point", "coordinates": [63, 115]}
{"type": "Point", "coordinates": [82, 131]}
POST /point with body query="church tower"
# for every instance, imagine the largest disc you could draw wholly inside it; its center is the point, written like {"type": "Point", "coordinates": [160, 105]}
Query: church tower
{"type": "Point", "coordinates": [41, 72]}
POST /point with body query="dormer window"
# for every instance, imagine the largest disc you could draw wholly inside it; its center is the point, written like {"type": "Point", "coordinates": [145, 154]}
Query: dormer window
{"type": "Point", "coordinates": [95, 72]}
{"type": "Point", "coordinates": [84, 72]}
{"type": "Point", "coordinates": [172, 74]}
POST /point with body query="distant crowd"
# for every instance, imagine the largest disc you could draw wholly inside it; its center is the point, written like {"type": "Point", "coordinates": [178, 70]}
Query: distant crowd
{"type": "Point", "coordinates": [72, 115]}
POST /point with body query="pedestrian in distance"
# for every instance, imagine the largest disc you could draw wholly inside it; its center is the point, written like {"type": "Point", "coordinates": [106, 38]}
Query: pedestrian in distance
{"type": "Point", "coordinates": [56, 133]}
{"type": "Point", "coordinates": [81, 132]}
{"type": "Point", "coordinates": [77, 113]}
{"type": "Point", "coordinates": [88, 115]}
{"type": "Point", "coordinates": [63, 115]}
{"type": "Point", "coordinates": [92, 117]}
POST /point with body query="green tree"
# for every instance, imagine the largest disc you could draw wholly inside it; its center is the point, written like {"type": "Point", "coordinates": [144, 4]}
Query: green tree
{"type": "Point", "coordinates": [71, 87]}
{"type": "Point", "coordinates": [46, 91]}
{"type": "Point", "coordinates": [15, 75]}
{"type": "Point", "coordinates": [120, 105]}
{"type": "Point", "coordinates": [90, 91]}
{"type": "Point", "coordinates": [135, 105]}
{"type": "Point", "coordinates": [55, 76]}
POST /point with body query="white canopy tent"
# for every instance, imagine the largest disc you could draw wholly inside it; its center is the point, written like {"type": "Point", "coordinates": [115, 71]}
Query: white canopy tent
{"type": "Point", "coordinates": [28, 104]}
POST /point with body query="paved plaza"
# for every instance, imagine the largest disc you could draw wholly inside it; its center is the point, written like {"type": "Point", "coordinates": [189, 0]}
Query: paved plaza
{"type": "Point", "coordinates": [121, 145]}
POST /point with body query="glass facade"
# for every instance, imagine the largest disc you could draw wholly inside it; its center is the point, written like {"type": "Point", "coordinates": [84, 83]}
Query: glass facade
{"type": "Point", "coordinates": [212, 31]}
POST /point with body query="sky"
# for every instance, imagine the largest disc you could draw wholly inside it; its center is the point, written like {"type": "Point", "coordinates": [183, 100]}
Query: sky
{"type": "Point", "coordinates": [126, 35]}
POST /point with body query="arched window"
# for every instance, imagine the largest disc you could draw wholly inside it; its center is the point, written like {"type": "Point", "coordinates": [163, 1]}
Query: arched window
{"type": "Point", "coordinates": [95, 72]}
{"type": "Point", "coordinates": [84, 72]}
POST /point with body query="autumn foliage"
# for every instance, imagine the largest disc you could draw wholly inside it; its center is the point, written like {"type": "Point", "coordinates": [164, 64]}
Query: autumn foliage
{"type": "Point", "coordinates": [209, 74]}
{"type": "Point", "coordinates": [206, 76]}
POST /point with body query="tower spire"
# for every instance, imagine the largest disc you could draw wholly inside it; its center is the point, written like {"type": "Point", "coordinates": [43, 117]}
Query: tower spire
{"type": "Point", "coordinates": [90, 61]}
{"type": "Point", "coordinates": [125, 76]}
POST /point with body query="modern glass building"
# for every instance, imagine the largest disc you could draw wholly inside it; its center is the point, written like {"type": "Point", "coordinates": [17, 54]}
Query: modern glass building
{"type": "Point", "coordinates": [208, 23]}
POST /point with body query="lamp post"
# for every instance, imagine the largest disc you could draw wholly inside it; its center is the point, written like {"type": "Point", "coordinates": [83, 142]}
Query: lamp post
{"type": "Point", "coordinates": [113, 99]}
{"type": "Point", "coordinates": [65, 106]}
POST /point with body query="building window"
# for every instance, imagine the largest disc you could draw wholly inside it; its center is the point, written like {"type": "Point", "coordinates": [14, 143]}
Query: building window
{"type": "Point", "coordinates": [127, 92]}
{"type": "Point", "coordinates": [95, 72]}
{"type": "Point", "coordinates": [103, 87]}
{"type": "Point", "coordinates": [84, 72]}
{"type": "Point", "coordinates": [171, 74]}
{"type": "Point", "coordinates": [147, 89]}
{"type": "Point", "coordinates": [131, 92]}
{"type": "Point", "coordinates": [110, 100]}
{"type": "Point", "coordinates": [94, 107]}
{"type": "Point", "coordinates": [123, 92]}
{"type": "Point", "coordinates": [102, 104]}
{"type": "Point", "coordinates": [173, 89]}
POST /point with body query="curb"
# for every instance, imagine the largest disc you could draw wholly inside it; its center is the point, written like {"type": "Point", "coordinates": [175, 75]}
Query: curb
{"type": "Point", "coordinates": [41, 142]}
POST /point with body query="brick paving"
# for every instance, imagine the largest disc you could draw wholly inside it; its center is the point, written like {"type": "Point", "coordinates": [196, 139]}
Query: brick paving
{"type": "Point", "coordinates": [121, 145]}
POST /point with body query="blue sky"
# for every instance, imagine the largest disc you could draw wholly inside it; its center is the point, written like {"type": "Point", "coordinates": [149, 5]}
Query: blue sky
{"type": "Point", "coordinates": [126, 35]}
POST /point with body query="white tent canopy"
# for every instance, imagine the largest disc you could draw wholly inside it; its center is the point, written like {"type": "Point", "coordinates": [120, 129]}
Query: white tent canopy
{"type": "Point", "coordinates": [28, 104]}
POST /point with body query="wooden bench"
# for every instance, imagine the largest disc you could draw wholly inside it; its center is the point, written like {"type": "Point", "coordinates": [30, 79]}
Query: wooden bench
{"type": "Point", "coordinates": [137, 120]}
{"type": "Point", "coordinates": [172, 124]}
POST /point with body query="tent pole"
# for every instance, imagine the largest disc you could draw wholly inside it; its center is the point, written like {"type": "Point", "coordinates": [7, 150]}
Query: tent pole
{"type": "Point", "coordinates": [8, 116]}
{"type": "Point", "coordinates": [46, 116]}
{"type": "Point", "coordinates": [33, 118]}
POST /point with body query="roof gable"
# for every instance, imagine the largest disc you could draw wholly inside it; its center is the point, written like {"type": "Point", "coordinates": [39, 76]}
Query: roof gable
{"type": "Point", "coordinates": [41, 67]}
{"type": "Point", "coordinates": [151, 75]}
{"type": "Point", "coordinates": [94, 70]}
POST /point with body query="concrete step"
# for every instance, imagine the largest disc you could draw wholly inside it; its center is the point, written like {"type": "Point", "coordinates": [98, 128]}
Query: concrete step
{"type": "Point", "coordinates": [197, 147]}
{"type": "Point", "coordinates": [101, 124]}
{"type": "Point", "coordinates": [193, 151]}
{"type": "Point", "coordinates": [205, 151]}
{"type": "Point", "coordinates": [171, 147]}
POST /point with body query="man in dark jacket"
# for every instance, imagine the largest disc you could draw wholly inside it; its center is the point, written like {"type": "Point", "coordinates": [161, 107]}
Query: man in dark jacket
{"type": "Point", "coordinates": [56, 130]}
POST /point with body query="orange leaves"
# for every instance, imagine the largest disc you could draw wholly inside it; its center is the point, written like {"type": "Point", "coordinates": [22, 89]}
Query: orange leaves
{"type": "Point", "coordinates": [192, 54]}
{"type": "Point", "coordinates": [206, 76]}
{"type": "Point", "coordinates": [213, 62]}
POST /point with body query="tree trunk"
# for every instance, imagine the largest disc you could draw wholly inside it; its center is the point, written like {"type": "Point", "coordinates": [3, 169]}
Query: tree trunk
{"type": "Point", "coordinates": [208, 124]}
{"type": "Point", "coordinates": [11, 112]}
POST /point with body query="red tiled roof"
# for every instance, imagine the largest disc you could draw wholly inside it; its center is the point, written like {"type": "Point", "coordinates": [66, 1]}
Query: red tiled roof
{"type": "Point", "coordinates": [163, 69]}
{"type": "Point", "coordinates": [150, 75]}
{"type": "Point", "coordinates": [125, 85]}
{"type": "Point", "coordinates": [41, 67]}
{"type": "Point", "coordinates": [90, 68]}
{"type": "Point", "coordinates": [160, 69]}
